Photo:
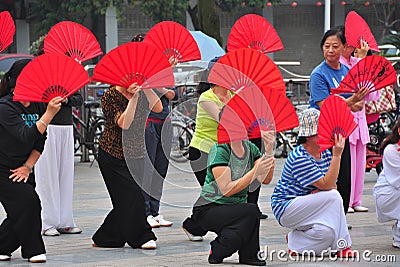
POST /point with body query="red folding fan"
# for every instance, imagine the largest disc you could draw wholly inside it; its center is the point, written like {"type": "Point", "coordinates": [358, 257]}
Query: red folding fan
{"type": "Point", "coordinates": [335, 118]}
{"type": "Point", "coordinates": [244, 117]}
{"type": "Point", "coordinates": [357, 30]}
{"type": "Point", "coordinates": [284, 113]}
{"type": "Point", "coordinates": [254, 31]}
{"type": "Point", "coordinates": [135, 62]}
{"type": "Point", "coordinates": [174, 40]}
{"type": "Point", "coordinates": [7, 30]}
{"type": "Point", "coordinates": [244, 67]}
{"type": "Point", "coordinates": [72, 39]}
{"type": "Point", "coordinates": [373, 72]}
{"type": "Point", "coordinates": [48, 76]}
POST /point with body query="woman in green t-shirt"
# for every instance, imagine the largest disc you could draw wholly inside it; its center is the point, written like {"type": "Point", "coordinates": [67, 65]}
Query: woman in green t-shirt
{"type": "Point", "coordinates": [222, 206]}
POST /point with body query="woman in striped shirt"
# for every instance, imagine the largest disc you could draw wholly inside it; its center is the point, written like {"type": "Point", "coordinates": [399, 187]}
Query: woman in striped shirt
{"type": "Point", "coordinates": [305, 198]}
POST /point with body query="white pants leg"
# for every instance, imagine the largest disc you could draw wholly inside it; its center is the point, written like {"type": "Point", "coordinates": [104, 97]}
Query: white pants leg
{"type": "Point", "coordinates": [317, 222]}
{"type": "Point", "coordinates": [387, 201]}
{"type": "Point", "coordinates": [54, 174]}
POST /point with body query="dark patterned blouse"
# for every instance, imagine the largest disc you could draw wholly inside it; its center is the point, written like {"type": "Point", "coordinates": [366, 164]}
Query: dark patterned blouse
{"type": "Point", "coordinates": [115, 141]}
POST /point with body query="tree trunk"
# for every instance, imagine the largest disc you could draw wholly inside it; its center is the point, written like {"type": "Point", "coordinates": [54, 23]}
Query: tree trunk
{"type": "Point", "coordinates": [209, 19]}
{"type": "Point", "coordinates": [193, 12]}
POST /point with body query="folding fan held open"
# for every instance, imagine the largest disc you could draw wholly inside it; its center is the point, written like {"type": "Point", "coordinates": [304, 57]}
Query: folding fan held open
{"type": "Point", "coordinates": [282, 109]}
{"type": "Point", "coordinates": [356, 30]}
{"type": "Point", "coordinates": [373, 72]}
{"type": "Point", "coordinates": [72, 39]}
{"type": "Point", "coordinates": [245, 116]}
{"type": "Point", "coordinates": [174, 40]}
{"type": "Point", "coordinates": [244, 67]}
{"type": "Point", "coordinates": [335, 118]}
{"type": "Point", "coordinates": [254, 31]}
{"type": "Point", "coordinates": [135, 62]}
{"type": "Point", "coordinates": [7, 30]}
{"type": "Point", "coordinates": [48, 76]}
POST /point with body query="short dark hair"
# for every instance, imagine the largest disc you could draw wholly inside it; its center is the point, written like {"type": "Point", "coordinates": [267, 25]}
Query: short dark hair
{"type": "Point", "coordinates": [337, 31]}
{"type": "Point", "coordinates": [10, 78]}
{"type": "Point", "coordinates": [138, 37]}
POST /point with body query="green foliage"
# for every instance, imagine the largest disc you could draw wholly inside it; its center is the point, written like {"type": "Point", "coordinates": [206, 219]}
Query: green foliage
{"type": "Point", "coordinates": [160, 10]}
{"type": "Point", "coordinates": [36, 47]}
{"type": "Point", "coordinates": [231, 5]}
{"type": "Point", "coordinates": [393, 39]}
{"type": "Point", "coordinates": [46, 13]}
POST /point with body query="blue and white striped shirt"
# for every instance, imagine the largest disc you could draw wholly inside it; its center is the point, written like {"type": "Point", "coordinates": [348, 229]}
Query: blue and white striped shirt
{"type": "Point", "coordinates": [300, 171]}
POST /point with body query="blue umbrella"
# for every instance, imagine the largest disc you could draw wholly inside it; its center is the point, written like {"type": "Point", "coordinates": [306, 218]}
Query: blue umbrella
{"type": "Point", "coordinates": [209, 47]}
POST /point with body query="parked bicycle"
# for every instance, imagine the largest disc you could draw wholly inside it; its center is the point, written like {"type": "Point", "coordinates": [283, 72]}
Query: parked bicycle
{"type": "Point", "coordinates": [182, 133]}
{"type": "Point", "coordinates": [87, 133]}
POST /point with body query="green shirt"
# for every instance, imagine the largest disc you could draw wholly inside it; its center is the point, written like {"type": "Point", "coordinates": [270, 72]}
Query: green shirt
{"type": "Point", "coordinates": [221, 155]}
{"type": "Point", "coordinates": [205, 135]}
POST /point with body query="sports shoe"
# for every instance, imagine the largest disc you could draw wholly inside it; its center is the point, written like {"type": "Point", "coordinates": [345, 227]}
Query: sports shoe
{"type": "Point", "coordinates": [51, 232]}
{"type": "Point", "coordinates": [5, 257]}
{"type": "Point", "coordinates": [192, 237]}
{"type": "Point", "coordinates": [360, 209]}
{"type": "Point", "coordinates": [213, 259]}
{"type": "Point", "coordinates": [350, 210]}
{"type": "Point", "coordinates": [253, 262]}
{"type": "Point", "coordinates": [163, 222]}
{"type": "Point", "coordinates": [346, 253]}
{"type": "Point", "coordinates": [38, 258]}
{"type": "Point", "coordinates": [153, 222]}
{"type": "Point", "coordinates": [151, 244]}
{"type": "Point", "coordinates": [70, 230]}
{"type": "Point", "coordinates": [395, 245]}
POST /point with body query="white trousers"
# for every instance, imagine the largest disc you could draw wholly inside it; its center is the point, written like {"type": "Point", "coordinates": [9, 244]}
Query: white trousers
{"type": "Point", "coordinates": [387, 200]}
{"type": "Point", "coordinates": [54, 173]}
{"type": "Point", "coordinates": [317, 222]}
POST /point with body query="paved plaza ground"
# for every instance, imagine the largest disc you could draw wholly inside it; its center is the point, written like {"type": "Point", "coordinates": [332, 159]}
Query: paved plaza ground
{"type": "Point", "coordinates": [91, 204]}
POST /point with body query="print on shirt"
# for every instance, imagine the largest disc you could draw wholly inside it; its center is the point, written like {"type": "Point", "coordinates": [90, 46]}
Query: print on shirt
{"type": "Point", "coordinates": [30, 119]}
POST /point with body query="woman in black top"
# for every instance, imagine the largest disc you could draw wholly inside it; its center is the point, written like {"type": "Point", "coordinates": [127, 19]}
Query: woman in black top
{"type": "Point", "coordinates": [22, 128]}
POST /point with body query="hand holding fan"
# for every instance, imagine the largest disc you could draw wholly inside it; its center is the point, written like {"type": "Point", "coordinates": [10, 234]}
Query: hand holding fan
{"type": "Point", "coordinates": [254, 31]}
{"type": "Point", "coordinates": [335, 118]}
{"type": "Point", "coordinates": [356, 30]}
{"type": "Point", "coordinates": [244, 67]}
{"type": "Point", "coordinates": [135, 62]}
{"type": "Point", "coordinates": [174, 40]}
{"type": "Point", "coordinates": [72, 39]}
{"type": "Point", "coordinates": [7, 30]}
{"type": "Point", "coordinates": [373, 72]}
{"type": "Point", "coordinates": [48, 76]}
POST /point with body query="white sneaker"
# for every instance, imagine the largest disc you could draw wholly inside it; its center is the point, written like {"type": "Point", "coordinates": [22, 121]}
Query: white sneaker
{"type": "Point", "coordinates": [360, 209]}
{"type": "Point", "coordinates": [153, 222]}
{"type": "Point", "coordinates": [51, 232]}
{"type": "Point", "coordinates": [70, 230]}
{"type": "Point", "coordinates": [38, 258]}
{"type": "Point", "coordinates": [192, 237]}
{"type": "Point", "coordinates": [5, 258]}
{"type": "Point", "coordinates": [151, 244]}
{"type": "Point", "coordinates": [350, 210]}
{"type": "Point", "coordinates": [160, 219]}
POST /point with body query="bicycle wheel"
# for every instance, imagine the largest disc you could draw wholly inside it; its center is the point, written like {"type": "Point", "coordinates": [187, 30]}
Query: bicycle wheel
{"type": "Point", "coordinates": [95, 134]}
{"type": "Point", "coordinates": [181, 137]}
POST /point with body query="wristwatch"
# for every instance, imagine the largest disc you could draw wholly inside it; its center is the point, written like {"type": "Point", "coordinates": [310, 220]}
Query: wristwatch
{"type": "Point", "coordinates": [29, 167]}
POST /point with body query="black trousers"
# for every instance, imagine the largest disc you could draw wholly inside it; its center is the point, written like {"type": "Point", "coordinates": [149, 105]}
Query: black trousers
{"type": "Point", "coordinates": [237, 227]}
{"type": "Point", "coordinates": [126, 222]}
{"type": "Point", "coordinates": [344, 178]}
{"type": "Point", "coordinates": [23, 225]}
{"type": "Point", "coordinates": [198, 163]}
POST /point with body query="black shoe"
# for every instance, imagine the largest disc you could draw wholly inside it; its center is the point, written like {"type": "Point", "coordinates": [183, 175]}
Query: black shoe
{"type": "Point", "coordinates": [263, 216]}
{"type": "Point", "coordinates": [214, 260]}
{"type": "Point", "coordinates": [253, 262]}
